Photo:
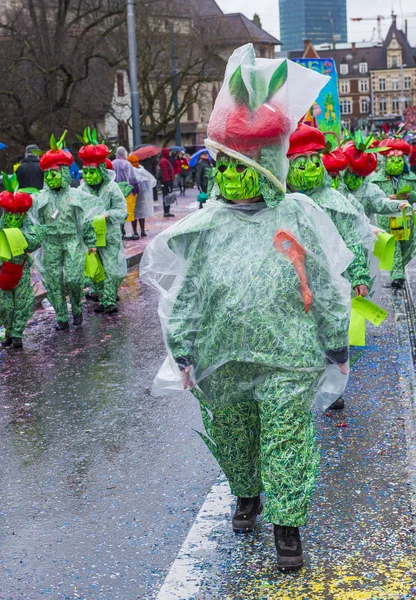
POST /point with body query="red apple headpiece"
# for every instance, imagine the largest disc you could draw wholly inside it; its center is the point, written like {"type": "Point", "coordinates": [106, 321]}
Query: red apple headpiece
{"type": "Point", "coordinates": [257, 108]}
{"type": "Point", "coordinates": [56, 157]}
{"type": "Point", "coordinates": [92, 153]}
{"type": "Point", "coordinates": [396, 147]}
{"type": "Point", "coordinates": [306, 139]}
{"type": "Point", "coordinates": [11, 200]}
{"type": "Point", "coordinates": [361, 153]}
{"type": "Point", "coordinates": [335, 161]}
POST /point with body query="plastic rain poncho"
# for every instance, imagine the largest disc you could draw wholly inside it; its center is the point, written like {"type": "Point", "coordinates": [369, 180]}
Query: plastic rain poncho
{"type": "Point", "coordinates": [258, 284]}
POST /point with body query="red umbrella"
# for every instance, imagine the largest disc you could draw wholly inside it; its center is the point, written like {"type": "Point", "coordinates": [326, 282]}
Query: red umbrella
{"type": "Point", "coordinates": [146, 152]}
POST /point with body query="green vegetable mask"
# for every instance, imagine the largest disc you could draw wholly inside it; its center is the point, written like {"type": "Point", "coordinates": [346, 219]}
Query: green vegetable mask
{"type": "Point", "coordinates": [352, 181]}
{"type": "Point", "coordinates": [53, 178]}
{"type": "Point", "coordinates": [395, 165]}
{"type": "Point", "coordinates": [92, 175]}
{"type": "Point", "coordinates": [235, 180]}
{"type": "Point", "coordinates": [13, 220]}
{"type": "Point", "coordinates": [335, 181]}
{"type": "Point", "coordinates": [306, 172]}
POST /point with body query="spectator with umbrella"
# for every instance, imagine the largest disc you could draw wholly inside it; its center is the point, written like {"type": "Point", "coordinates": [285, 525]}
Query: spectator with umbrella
{"type": "Point", "coordinates": [144, 199]}
{"type": "Point", "coordinates": [166, 176]}
{"type": "Point", "coordinates": [181, 171]}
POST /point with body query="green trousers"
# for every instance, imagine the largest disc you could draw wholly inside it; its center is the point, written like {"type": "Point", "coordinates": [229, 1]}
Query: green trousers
{"type": "Point", "coordinates": [16, 306]}
{"type": "Point", "coordinates": [64, 264]}
{"type": "Point", "coordinates": [403, 252]}
{"type": "Point", "coordinates": [266, 441]}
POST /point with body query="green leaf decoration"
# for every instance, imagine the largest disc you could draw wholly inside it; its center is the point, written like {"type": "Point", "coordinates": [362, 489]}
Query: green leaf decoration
{"type": "Point", "coordinates": [52, 143]}
{"type": "Point", "coordinates": [328, 147]}
{"type": "Point", "coordinates": [61, 141]}
{"type": "Point", "coordinates": [38, 152]}
{"type": "Point", "coordinates": [238, 88]}
{"type": "Point", "coordinates": [80, 138]}
{"type": "Point", "coordinates": [277, 80]}
{"type": "Point", "coordinates": [10, 182]}
{"type": "Point", "coordinates": [369, 140]}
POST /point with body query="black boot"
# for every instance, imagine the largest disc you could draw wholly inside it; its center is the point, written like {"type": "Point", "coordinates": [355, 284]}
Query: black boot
{"type": "Point", "coordinates": [111, 310]}
{"type": "Point", "coordinates": [17, 343]}
{"type": "Point", "coordinates": [100, 309]}
{"type": "Point", "coordinates": [339, 404]}
{"type": "Point", "coordinates": [288, 548]}
{"type": "Point", "coordinates": [92, 296]}
{"type": "Point", "coordinates": [78, 320]}
{"type": "Point", "coordinates": [244, 518]}
{"type": "Point", "coordinates": [398, 284]}
{"type": "Point", "coordinates": [7, 342]}
{"type": "Point", "coordinates": [62, 325]}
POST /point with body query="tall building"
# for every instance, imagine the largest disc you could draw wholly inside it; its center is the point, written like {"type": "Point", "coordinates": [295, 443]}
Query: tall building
{"type": "Point", "coordinates": [320, 22]}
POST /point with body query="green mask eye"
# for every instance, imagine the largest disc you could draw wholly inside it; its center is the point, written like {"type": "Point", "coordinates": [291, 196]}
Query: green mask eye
{"type": "Point", "coordinates": [14, 220]}
{"type": "Point", "coordinates": [53, 178]}
{"type": "Point", "coordinates": [92, 175]}
{"type": "Point", "coordinates": [236, 180]}
{"type": "Point", "coordinates": [352, 181]}
{"type": "Point", "coordinates": [395, 165]}
{"type": "Point", "coordinates": [306, 172]}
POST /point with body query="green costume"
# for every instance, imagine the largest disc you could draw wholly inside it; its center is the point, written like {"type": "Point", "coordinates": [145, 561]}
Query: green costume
{"type": "Point", "coordinates": [70, 233]}
{"type": "Point", "coordinates": [392, 184]}
{"type": "Point", "coordinates": [253, 306]}
{"type": "Point", "coordinates": [106, 197]}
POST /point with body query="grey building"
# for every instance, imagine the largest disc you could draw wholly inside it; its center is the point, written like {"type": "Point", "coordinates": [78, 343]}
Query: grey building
{"type": "Point", "coordinates": [320, 22]}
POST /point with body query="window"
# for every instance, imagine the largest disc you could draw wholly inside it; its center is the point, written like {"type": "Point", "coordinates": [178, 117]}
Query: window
{"type": "Point", "coordinates": [381, 84]}
{"type": "Point", "coordinates": [123, 134]}
{"type": "Point", "coordinates": [394, 84]}
{"type": "Point", "coordinates": [364, 105]}
{"type": "Point", "coordinates": [394, 61]}
{"type": "Point", "coordinates": [395, 105]}
{"type": "Point", "coordinates": [120, 84]}
{"type": "Point", "coordinates": [363, 67]}
{"type": "Point", "coordinates": [345, 107]}
{"type": "Point", "coordinates": [407, 83]}
{"type": "Point", "coordinates": [407, 102]}
{"type": "Point", "coordinates": [363, 85]}
{"type": "Point", "coordinates": [344, 87]}
{"type": "Point", "coordinates": [382, 105]}
{"type": "Point", "coordinates": [343, 69]}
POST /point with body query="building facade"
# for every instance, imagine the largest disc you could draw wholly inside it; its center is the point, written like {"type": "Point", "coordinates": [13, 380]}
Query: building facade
{"type": "Point", "coordinates": [321, 22]}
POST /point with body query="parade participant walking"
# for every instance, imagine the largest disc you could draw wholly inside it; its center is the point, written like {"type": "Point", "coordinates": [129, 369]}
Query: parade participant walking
{"type": "Point", "coordinates": [69, 234]}
{"type": "Point", "coordinates": [398, 183]}
{"type": "Point", "coordinates": [181, 171]}
{"type": "Point", "coordinates": [106, 200]}
{"type": "Point", "coordinates": [29, 174]}
{"type": "Point", "coordinates": [166, 176]}
{"type": "Point", "coordinates": [252, 301]}
{"type": "Point", "coordinates": [307, 174]}
{"type": "Point", "coordinates": [144, 202]}
{"type": "Point", "coordinates": [16, 290]}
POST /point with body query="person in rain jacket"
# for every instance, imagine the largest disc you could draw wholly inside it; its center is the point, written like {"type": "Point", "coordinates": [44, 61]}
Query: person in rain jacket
{"type": "Point", "coordinates": [391, 179]}
{"type": "Point", "coordinates": [106, 199]}
{"type": "Point", "coordinates": [307, 174]}
{"type": "Point", "coordinates": [253, 305]}
{"type": "Point", "coordinates": [69, 234]}
{"type": "Point", "coordinates": [16, 290]}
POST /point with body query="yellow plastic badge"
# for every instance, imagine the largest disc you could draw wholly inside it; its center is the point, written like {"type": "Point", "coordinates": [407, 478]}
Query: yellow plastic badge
{"type": "Point", "coordinates": [384, 250]}
{"type": "Point", "coordinates": [100, 226]}
{"type": "Point", "coordinates": [131, 203]}
{"type": "Point", "coordinates": [357, 329]}
{"type": "Point", "coordinates": [5, 253]}
{"type": "Point", "coordinates": [16, 240]}
{"type": "Point", "coordinates": [370, 311]}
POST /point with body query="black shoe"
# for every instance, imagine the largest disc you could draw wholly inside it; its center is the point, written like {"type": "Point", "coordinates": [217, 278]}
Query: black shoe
{"type": "Point", "coordinates": [244, 518]}
{"type": "Point", "coordinates": [7, 342]}
{"type": "Point", "coordinates": [288, 548]}
{"type": "Point", "coordinates": [111, 310]}
{"type": "Point", "coordinates": [169, 215]}
{"type": "Point", "coordinates": [135, 236]}
{"type": "Point", "coordinates": [92, 296]}
{"type": "Point", "coordinates": [17, 342]}
{"type": "Point", "coordinates": [62, 325]}
{"type": "Point", "coordinates": [143, 234]}
{"type": "Point", "coordinates": [100, 309]}
{"type": "Point", "coordinates": [339, 404]}
{"type": "Point", "coordinates": [78, 320]}
{"type": "Point", "coordinates": [398, 284]}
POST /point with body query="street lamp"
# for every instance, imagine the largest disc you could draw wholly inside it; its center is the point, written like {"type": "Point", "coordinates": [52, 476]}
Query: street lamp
{"type": "Point", "coordinates": [134, 88]}
{"type": "Point", "coordinates": [402, 98]}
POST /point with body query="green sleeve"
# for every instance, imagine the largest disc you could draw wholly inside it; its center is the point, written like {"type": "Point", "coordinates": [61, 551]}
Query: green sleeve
{"type": "Point", "coordinates": [375, 201]}
{"type": "Point", "coordinates": [358, 271]}
{"type": "Point", "coordinates": [34, 235]}
{"type": "Point", "coordinates": [89, 235]}
{"type": "Point", "coordinates": [117, 212]}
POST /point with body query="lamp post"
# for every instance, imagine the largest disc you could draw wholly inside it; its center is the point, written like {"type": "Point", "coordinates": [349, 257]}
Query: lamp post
{"type": "Point", "coordinates": [175, 87]}
{"type": "Point", "coordinates": [402, 98]}
{"type": "Point", "coordinates": [134, 88]}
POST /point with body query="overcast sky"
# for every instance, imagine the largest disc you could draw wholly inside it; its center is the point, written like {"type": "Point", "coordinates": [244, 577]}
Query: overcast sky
{"type": "Point", "coordinates": [357, 32]}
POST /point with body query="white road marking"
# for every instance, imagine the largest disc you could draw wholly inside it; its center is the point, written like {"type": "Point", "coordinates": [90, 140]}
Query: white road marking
{"type": "Point", "coordinates": [184, 578]}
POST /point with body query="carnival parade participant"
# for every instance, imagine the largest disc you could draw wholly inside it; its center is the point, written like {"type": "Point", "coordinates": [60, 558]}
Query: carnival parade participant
{"type": "Point", "coordinates": [307, 174]}
{"type": "Point", "coordinates": [397, 182]}
{"type": "Point", "coordinates": [144, 202]}
{"type": "Point", "coordinates": [16, 290]}
{"type": "Point", "coordinates": [106, 200]}
{"type": "Point", "coordinates": [69, 234]}
{"type": "Point", "coordinates": [253, 305]}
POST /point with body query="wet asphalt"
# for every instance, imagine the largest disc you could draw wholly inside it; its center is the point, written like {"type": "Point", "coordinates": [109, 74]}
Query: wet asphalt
{"type": "Point", "coordinates": [100, 483]}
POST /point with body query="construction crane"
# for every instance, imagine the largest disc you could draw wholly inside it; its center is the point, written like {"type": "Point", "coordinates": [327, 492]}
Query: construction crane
{"type": "Point", "coordinates": [380, 18]}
